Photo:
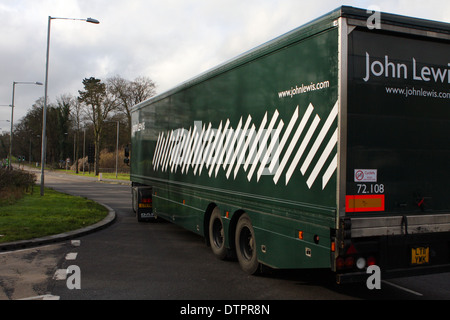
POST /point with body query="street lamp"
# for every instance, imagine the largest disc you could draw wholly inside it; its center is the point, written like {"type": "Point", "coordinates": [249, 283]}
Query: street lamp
{"type": "Point", "coordinates": [44, 111]}
{"type": "Point", "coordinates": [12, 118]}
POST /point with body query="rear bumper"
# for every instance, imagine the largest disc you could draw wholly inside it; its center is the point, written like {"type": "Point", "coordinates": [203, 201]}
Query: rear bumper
{"type": "Point", "coordinates": [394, 256]}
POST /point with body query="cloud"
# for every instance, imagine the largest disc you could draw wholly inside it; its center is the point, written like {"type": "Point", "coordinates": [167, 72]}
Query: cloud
{"type": "Point", "coordinates": [169, 41]}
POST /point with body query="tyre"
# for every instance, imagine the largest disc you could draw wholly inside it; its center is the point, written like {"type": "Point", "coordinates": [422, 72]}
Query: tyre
{"type": "Point", "coordinates": [246, 245]}
{"type": "Point", "coordinates": [217, 235]}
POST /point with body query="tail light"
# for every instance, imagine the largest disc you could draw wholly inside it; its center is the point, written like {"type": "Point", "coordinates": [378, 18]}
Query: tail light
{"type": "Point", "coordinates": [371, 261]}
{"type": "Point", "coordinates": [352, 259]}
{"type": "Point", "coordinates": [349, 262]}
{"type": "Point", "coordinates": [339, 263]}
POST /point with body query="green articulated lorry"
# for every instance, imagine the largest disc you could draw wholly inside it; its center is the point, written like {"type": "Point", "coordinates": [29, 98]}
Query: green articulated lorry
{"type": "Point", "coordinates": [327, 147]}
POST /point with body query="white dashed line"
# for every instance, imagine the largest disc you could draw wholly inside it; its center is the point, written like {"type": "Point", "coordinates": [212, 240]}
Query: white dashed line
{"type": "Point", "coordinates": [71, 256]}
{"type": "Point", "coordinates": [60, 274]}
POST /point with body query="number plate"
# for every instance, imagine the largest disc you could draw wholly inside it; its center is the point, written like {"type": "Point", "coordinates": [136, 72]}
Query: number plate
{"type": "Point", "coordinates": [420, 255]}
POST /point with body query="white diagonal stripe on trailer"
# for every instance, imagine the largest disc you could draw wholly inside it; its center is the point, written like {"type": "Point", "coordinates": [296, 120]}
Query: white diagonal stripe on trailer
{"type": "Point", "coordinates": [202, 149]}
{"type": "Point", "coordinates": [269, 150]}
{"type": "Point", "coordinates": [156, 152]}
{"type": "Point", "coordinates": [302, 148]}
{"type": "Point", "coordinates": [182, 150]}
{"type": "Point", "coordinates": [208, 150]}
{"type": "Point", "coordinates": [167, 153]}
{"type": "Point", "coordinates": [325, 154]}
{"type": "Point", "coordinates": [238, 147]}
{"type": "Point", "coordinates": [293, 142]}
{"type": "Point", "coordinates": [218, 140]}
{"type": "Point", "coordinates": [191, 149]}
{"type": "Point", "coordinates": [160, 151]}
{"type": "Point", "coordinates": [187, 148]}
{"type": "Point", "coordinates": [161, 159]}
{"type": "Point", "coordinates": [173, 145]}
{"type": "Point", "coordinates": [253, 148]}
{"type": "Point", "coordinates": [213, 148]}
{"type": "Point", "coordinates": [286, 135]}
{"type": "Point", "coordinates": [196, 153]}
{"type": "Point", "coordinates": [329, 172]}
{"type": "Point", "coordinates": [244, 149]}
{"type": "Point", "coordinates": [219, 148]}
{"type": "Point", "coordinates": [262, 144]}
{"type": "Point", "coordinates": [228, 137]}
{"type": "Point", "coordinates": [169, 149]}
{"type": "Point", "coordinates": [326, 127]}
{"type": "Point", "coordinates": [175, 154]}
{"type": "Point", "coordinates": [230, 147]}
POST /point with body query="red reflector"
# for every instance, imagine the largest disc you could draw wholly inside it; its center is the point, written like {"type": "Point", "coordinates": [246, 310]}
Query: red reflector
{"type": "Point", "coordinates": [349, 262]}
{"type": "Point", "coordinates": [351, 250]}
{"type": "Point", "coordinates": [371, 261]}
{"type": "Point", "coordinates": [364, 203]}
{"type": "Point", "coordinates": [339, 263]}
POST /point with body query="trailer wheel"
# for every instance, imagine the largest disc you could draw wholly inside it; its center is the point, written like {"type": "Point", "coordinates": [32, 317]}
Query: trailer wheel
{"type": "Point", "coordinates": [246, 245]}
{"type": "Point", "coordinates": [217, 235]}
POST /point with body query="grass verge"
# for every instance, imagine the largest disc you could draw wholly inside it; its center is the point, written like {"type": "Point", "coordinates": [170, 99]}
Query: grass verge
{"type": "Point", "coordinates": [120, 176]}
{"type": "Point", "coordinates": [34, 216]}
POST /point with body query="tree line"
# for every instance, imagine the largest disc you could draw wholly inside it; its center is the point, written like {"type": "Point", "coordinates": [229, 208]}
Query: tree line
{"type": "Point", "coordinates": [91, 118]}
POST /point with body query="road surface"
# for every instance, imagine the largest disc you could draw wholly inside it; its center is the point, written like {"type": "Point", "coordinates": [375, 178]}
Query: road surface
{"type": "Point", "coordinates": [161, 261]}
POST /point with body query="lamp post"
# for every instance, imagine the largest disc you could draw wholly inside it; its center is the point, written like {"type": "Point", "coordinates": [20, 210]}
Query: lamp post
{"type": "Point", "coordinates": [44, 111]}
{"type": "Point", "coordinates": [12, 118]}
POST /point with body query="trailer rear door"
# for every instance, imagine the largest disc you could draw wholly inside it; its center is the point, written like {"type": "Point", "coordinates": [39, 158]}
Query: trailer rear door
{"type": "Point", "coordinates": [398, 138]}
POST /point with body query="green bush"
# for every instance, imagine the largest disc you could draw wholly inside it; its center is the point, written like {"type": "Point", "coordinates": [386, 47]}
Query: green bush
{"type": "Point", "coordinates": [14, 183]}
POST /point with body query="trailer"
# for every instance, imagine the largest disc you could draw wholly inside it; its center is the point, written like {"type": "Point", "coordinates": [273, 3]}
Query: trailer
{"type": "Point", "coordinates": [327, 147]}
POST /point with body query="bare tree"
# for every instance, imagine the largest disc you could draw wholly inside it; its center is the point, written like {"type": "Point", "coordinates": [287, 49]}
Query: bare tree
{"type": "Point", "coordinates": [63, 114]}
{"type": "Point", "coordinates": [98, 106]}
{"type": "Point", "coordinates": [129, 93]}
{"type": "Point", "coordinates": [77, 116]}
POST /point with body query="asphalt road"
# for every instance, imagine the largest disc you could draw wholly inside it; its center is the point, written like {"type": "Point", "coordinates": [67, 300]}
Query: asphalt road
{"type": "Point", "coordinates": [161, 261]}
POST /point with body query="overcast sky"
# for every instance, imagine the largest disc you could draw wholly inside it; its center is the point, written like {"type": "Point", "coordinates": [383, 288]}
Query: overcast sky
{"type": "Point", "coordinates": [169, 41]}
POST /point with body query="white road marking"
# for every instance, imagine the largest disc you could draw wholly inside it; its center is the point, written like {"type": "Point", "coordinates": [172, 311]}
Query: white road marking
{"type": "Point", "coordinates": [42, 297]}
{"type": "Point", "coordinates": [71, 256]}
{"type": "Point", "coordinates": [402, 288]}
{"type": "Point", "coordinates": [75, 243]}
{"type": "Point", "coordinates": [60, 274]}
